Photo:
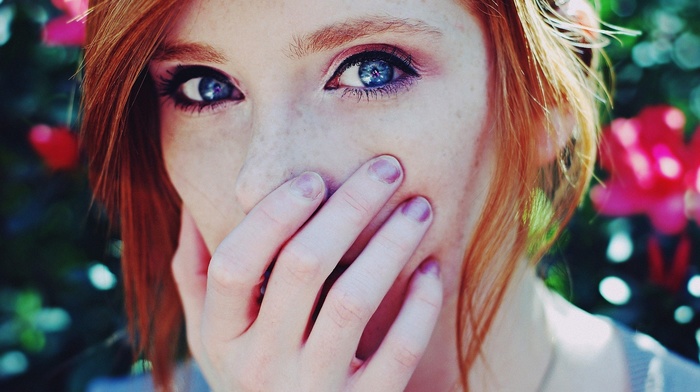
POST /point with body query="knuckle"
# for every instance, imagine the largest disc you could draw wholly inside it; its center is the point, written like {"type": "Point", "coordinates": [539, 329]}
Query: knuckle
{"type": "Point", "coordinates": [347, 308]}
{"type": "Point", "coordinates": [269, 218]}
{"type": "Point", "coordinates": [301, 263]}
{"type": "Point", "coordinates": [392, 247]}
{"type": "Point", "coordinates": [358, 206]}
{"type": "Point", "coordinates": [430, 296]}
{"type": "Point", "coordinates": [406, 355]}
{"type": "Point", "coordinates": [223, 275]}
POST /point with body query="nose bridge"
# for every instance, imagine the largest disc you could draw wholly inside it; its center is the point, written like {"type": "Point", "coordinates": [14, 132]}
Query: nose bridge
{"type": "Point", "coordinates": [272, 156]}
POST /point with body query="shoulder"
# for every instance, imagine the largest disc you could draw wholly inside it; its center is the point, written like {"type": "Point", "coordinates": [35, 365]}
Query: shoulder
{"type": "Point", "coordinates": [653, 368]}
{"type": "Point", "coordinates": [585, 345]}
{"type": "Point", "coordinates": [187, 378]}
{"type": "Point", "coordinates": [620, 359]}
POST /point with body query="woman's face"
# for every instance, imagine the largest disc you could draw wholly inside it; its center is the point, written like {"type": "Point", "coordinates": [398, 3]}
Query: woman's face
{"type": "Point", "coordinates": [254, 93]}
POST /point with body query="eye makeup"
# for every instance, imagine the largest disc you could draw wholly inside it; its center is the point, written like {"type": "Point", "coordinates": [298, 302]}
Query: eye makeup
{"type": "Point", "coordinates": [378, 73]}
{"type": "Point", "coordinates": [374, 73]}
{"type": "Point", "coordinates": [197, 87]}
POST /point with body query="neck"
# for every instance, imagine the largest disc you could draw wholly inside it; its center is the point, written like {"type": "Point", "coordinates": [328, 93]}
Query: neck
{"type": "Point", "coordinates": [516, 353]}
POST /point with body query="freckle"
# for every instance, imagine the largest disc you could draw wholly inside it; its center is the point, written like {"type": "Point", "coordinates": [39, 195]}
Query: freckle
{"type": "Point", "coordinates": [458, 114]}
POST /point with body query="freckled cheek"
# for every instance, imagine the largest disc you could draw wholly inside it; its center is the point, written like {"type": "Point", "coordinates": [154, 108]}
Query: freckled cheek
{"type": "Point", "coordinates": [202, 167]}
{"type": "Point", "coordinates": [446, 154]}
{"type": "Point", "coordinates": [438, 142]}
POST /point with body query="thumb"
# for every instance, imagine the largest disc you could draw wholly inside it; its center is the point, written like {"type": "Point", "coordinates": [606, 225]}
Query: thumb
{"type": "Point", "coordinates": [189, 266]}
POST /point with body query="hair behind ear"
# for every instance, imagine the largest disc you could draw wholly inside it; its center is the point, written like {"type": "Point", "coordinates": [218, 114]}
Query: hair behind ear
{"type": "Point", "coordinates": [544, 87]}
{"type": "Point", "coordinates": [120, 135]}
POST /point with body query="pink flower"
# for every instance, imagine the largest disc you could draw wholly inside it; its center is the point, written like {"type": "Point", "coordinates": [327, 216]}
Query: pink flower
{"type": "Point", "coordinates": [67, 29]}
{"type": "Point", "coordinates": [650, 168]}
{"type": "Point", "coordinates": [692, 195]}
{"type": "Point", "coordinates": [669, 277]}
{"type": "Point", "coordinates": [57, 146]}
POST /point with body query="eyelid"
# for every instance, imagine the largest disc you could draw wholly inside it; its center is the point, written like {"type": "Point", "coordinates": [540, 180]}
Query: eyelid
{"type": "Point", "coordinates": [169, 86]}
{"type": "Point", "coordinates": [343, 56]}
{"type": "Point", "coordinates": [353, 56]}
{"type": "Point", "coordinates": [183, 73]}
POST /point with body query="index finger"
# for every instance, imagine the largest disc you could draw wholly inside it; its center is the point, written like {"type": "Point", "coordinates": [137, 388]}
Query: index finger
{"type": "Point", "coordinates": [235, 271]}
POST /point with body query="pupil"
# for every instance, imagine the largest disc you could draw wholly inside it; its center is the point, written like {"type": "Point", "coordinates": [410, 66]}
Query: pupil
{"type": "Point", "coordinates": [375, 73]}
{"type": "Point", "coordinates": [212, 89]}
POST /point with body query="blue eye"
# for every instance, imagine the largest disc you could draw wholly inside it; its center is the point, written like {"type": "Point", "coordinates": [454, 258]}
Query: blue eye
{"type": "Point", "coordinates": [198, 87]}
{"type": "Point", "coordinates": [373, 73]}
{"type": "Point", "coordinates": [210, 89]}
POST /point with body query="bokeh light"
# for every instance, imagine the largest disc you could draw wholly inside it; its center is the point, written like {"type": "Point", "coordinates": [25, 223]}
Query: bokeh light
{"type": "Point", "coordinates": [683, 314]}
{"type": "Point", "coordinates": [7, 14]}
{"type": "Point", "coordinates": [13, 363]}
{"type": "Point", "coordinates": [620, 247]}
{"type": "Point", "coordinates": [615, 290]}
{"type": "Point", "coordinates": [101, 277]}
{"type": "Point", "coordinates": [694, 286]}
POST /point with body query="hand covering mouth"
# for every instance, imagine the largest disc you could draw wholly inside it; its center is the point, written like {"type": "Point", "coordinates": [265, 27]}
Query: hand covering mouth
{"type": "Point", "coordinates": [325, 288]}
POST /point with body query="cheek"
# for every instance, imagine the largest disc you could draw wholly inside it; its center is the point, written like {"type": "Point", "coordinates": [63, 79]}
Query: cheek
{"type": "Point", "coordinates": [202, 163]}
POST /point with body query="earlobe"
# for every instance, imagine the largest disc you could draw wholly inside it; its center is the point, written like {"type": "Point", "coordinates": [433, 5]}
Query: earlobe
{"type": "Point", "coordinates": [554, 135]}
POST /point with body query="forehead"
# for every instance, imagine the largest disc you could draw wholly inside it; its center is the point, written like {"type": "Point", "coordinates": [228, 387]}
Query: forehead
{"type": "Point", "coordinates": [286, 24]}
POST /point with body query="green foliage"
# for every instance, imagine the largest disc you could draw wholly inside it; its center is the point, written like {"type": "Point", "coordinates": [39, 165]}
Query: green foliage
{"type": "Point", "coordinates": [61, 317]}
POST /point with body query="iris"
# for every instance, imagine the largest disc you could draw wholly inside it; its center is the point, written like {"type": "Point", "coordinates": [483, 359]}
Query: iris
{"type": "Point", "coordinates": [212, 89]}
{"type": "Point", "coordinates": [375, 73]}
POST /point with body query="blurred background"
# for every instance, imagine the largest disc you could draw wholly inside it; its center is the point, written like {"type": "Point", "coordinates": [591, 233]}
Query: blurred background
{"type": "Point", "coordinates": [632, 252]}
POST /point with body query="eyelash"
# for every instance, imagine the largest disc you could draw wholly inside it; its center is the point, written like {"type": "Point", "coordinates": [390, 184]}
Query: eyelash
{"type": "Point", "coordinates": [394, 58]}
{"type": "Point", "coordinates": [169, 86]}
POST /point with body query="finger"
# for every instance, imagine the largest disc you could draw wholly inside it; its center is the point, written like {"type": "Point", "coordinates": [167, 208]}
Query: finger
{"type": "Point", "coordinates": [355, 296]}
{"type": "Point", "coordinates": [391, 367]}
{"type": "Point", "coordinates": [189, 269]}
{"type": "Point", "coordinates": [307, 260]}
{"type": "Point", "coordinates": [239, 262]}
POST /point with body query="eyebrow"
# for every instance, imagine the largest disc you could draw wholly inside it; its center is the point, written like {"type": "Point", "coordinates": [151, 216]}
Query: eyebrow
{"type": "Point", "coordinates": [338, 34]}
{"type": "Point", "coordinates": [188, 52]}
{"type": "Point", "coordinates": [325, 38]}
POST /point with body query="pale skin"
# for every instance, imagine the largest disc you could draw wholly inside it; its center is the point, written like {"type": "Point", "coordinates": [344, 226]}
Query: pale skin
{"type": "Point", "coordinates": [302, 163]}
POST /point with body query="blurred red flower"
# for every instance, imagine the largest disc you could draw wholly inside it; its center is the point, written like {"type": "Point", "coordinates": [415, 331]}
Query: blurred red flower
{"type": "Point", "coordinates": [57, 146]}
{"type": "Point", "coordinates": [67, 29]}
{"type": "Point", "coordinates": [652, 170]}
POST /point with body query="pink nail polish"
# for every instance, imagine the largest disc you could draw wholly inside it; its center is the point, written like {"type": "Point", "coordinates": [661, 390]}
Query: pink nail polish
{"type": "Point", "coordinates": [385, 169]}
{"type": "Point", "coordinates": [417, 209]}
{"type": "Point", "coordinates": [308, 185]}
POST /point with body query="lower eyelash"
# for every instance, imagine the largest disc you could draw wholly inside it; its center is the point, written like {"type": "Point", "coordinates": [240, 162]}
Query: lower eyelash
{"type": "Point", "coordinates": [168, 86]}
{"type": "Point", "coordinates": [391, 89]}
{"type": "Point", "coordinates": [189, 107]}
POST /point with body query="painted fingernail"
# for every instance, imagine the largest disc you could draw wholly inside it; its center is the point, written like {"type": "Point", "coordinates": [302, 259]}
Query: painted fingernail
{"type": "Point", "coordinates": [308, 185]}
{"type": "Point", "coordinates": [430, 267]}
{"type": "Point", "coordinates": [385, 169]}
{"type": "Point", "coordinates": [417, 209]}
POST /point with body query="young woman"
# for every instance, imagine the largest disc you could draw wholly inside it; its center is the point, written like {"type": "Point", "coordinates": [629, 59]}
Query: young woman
{"type": "Point", "coordinates": [351, 195]}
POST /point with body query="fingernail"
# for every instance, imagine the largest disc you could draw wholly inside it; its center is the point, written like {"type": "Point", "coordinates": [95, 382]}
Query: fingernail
{"type": "Point", "coordinates": [430, 267]}
{"type": "Point", "coordinates": [417, 209]}
{"type": "Point", "coordinates": [308, 185]}
{"type": "Point", "coordinates": [385, 169]}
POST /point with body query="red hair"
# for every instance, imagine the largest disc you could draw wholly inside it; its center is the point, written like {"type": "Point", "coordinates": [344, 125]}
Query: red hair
{"type": "Point", "coordinates": [543, 70]}
{"type": "Point", "coordinates": [120, 135]}
{"type": "Point", "coordinates": [536, 74]}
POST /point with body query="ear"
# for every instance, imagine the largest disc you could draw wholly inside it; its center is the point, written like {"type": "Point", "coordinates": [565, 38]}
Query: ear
{"type": "Point", "coordinates": [580, 12]}
{"type": "Point", "coordinates": [554, 134]}
{"type": "Point", "coordinates": [584, 28]}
